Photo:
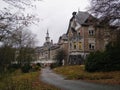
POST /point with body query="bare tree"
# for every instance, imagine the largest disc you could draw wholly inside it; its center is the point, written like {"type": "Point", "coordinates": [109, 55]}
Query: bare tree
{"type": "Point", "coordinates": [18, 41]}
{"type": "Point", "coordinates": [10, 23]}
{"type": "Point", "coordinates": [107, 10]}
{"type": "Point", "coordinates": [21, 4]}
{"type": "Point", "coordinates": [11, 20]}
{"type": "Point", "coordinates": [23, 38]}
{"type": "Point", "coordinates": [14, 33]}
{"type": "Point", "coordinates": [24, 42]}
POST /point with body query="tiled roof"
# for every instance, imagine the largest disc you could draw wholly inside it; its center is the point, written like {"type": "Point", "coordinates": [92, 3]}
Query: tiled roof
{"type": "Point", "coordinates": [81, 17]}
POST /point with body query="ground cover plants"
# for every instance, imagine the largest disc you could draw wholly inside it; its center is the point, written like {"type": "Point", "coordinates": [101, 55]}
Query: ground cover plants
{"type": "Point", "coordinates": [77, 72]}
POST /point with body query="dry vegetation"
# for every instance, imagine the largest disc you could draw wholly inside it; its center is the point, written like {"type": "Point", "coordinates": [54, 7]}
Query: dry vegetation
{"type": "Point", "coordinates": [78, 73]}
{"type": "Point", "coordinates": [27, 81]}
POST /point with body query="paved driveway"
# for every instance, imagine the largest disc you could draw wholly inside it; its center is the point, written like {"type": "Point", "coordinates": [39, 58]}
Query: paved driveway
{"type": "Point", "coordinates": [48, 76]}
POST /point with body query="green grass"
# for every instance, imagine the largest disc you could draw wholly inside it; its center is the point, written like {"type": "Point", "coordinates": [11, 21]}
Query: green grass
{"type": "Point", "coordinates": [77, 72]}
{"type": "Point", "coordinates": [24, 81]}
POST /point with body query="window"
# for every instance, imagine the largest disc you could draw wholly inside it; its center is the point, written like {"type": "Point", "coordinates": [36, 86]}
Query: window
{"type": "Point", "coordinates": [91, 32]}
{"type": "Point", "coordinates": [74, 45]}
{"type": "Point", "coordinates": [91, 46]}
{"type": "Point", "coordinates": [80, 45]}
{"type": "Point", "coordinates": [70, 46]}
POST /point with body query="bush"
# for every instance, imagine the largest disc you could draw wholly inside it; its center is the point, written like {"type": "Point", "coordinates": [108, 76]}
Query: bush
{"type": "Point", "coordinates": [36, 67]}
{"type": "Point", "coordinates": [13, 67]}
{"type": "Point", "coordinates": [109, 60]}
{"type": "Point", "coordinates": [95, 62]}
{"type": "Point", "coordinates": [113, 51]}
{"type": "Point", "coordinates": [54, 65]}
{"type": "Point", "coordinates": [38, 64]}
{"type": "Point", "coordinates": [25, 68]}
{"type": "Point", "coordinates": [7, 55]}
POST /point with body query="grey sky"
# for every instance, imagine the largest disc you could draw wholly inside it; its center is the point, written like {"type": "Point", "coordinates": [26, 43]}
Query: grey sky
{"type": "Point", "coordinates": [55, 15]}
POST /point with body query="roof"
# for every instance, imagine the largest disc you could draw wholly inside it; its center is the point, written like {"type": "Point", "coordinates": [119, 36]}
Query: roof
{"type": "Point", "coordinates": [38, 49]}
{"type": "Point", "coordinates": [54, 47]}
{"type": "Point", "coordinates": [64, 37]}
{"type": "Point", "coordinates": [47, 44]}
{"type": "Point", "coordinates": [81, 17]}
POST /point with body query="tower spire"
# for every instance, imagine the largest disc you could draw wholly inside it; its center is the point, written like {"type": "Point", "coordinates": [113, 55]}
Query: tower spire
{"type": "Point", "coordinates": [47, 33]}
{"type": "Point", "coordinates": [47, 36]}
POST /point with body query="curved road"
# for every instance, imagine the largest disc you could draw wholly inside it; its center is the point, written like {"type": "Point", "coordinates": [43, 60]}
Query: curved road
{"type": "Point", "coordinates": [48, 76]}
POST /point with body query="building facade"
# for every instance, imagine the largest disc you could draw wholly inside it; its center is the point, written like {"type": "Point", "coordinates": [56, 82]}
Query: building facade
{"type": "Point", "coordinates": [63, 44]}
{"type": "Point", "coordinates": [48, 51]}
{"type": "Point", "coordinates": [85, 35]}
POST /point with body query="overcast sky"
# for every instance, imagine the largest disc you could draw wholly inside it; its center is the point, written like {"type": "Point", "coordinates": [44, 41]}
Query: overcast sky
{"type": "Point", "coordinates": [55, 15]}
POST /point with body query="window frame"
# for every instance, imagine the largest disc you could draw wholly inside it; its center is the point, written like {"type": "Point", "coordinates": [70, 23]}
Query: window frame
{"type": "Point", "coordinates": [91, 32]}
{"type": "Point", "coordinates": [91, 46]}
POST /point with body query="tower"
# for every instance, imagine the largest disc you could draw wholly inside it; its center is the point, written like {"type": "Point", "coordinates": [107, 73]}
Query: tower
{"type": "Point", "coordinates": [47, 37]}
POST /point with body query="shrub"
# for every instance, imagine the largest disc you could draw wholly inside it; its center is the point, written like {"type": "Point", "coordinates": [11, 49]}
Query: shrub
{"type": "Point", "coordinates": [109, 60]}
{"type": "Point", "coordinates": [13, 67]}
{"type": "Point", "coordinates": [38, 64]}
{"type": "Point", "coordinates": [35, 67]}
{"type": "Point", "coordinates": [95, 61]}
{"type": "Point", "coordinates": [54, 65]}
{"type": "Point", "coordinates": [25, 68]}
{"type": "Point", "coordinates": [114, 56]}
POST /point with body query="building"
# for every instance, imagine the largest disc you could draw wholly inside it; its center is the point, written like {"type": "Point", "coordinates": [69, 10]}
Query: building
{"type": "Point", "coordinates": [63, 44]}
{"type": "Point", "coordinates": [85, 35]}
{"type": "Point", "coordinates": [47, 52]}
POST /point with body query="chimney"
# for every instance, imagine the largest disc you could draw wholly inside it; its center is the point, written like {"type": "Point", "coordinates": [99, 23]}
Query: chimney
{"type": "Point", "coordinates": [74, 13]}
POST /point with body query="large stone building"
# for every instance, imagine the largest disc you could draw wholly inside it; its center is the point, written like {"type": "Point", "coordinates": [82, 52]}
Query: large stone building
{"type": "Point", "coordinates": [48, 51]}
{"type": "Point", "coordinates": [85, 35]}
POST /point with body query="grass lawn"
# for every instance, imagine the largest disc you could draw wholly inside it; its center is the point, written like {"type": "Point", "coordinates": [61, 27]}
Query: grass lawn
{"type": "Point", "coordinates": [24, 81]}
{"type": "Point", "coordinates": [77, 72]}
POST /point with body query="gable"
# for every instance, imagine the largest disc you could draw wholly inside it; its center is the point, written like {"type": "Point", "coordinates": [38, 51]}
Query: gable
{"type": "Point", "coordinates": [90, 20]}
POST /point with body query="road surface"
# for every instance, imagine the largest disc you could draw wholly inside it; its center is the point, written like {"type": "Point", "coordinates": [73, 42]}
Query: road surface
{"type": "Point", "coordinates": [48, 76]}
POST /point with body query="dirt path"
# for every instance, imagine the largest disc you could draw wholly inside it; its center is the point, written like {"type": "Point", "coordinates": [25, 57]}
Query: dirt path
{"type": "Point", "coordinates": [48, 76]}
